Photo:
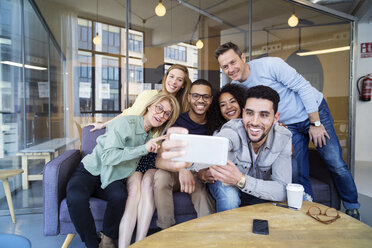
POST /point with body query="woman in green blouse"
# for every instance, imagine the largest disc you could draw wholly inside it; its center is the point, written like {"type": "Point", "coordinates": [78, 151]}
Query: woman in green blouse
{"type": "Point", "coordinates": [114, 159]}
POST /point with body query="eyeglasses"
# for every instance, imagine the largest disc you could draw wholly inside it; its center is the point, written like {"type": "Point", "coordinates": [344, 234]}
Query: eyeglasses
{"type": "Point", "coordinates": [197, 96]}
{"type": "Point", "coordinates": [330, 215]}
{"type": "Point", "coordinates": [160, 109]}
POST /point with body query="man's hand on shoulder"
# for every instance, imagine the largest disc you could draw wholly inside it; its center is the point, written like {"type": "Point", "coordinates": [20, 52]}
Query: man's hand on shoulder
{"type": "Point", "coordinates": [187, 181]}
{"type": "Point", "coordinates": [229, 174]}
{"type": "Point", "coordinates": [318, 135]}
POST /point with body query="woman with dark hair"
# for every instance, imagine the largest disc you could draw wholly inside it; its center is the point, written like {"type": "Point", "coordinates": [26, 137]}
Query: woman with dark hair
{"type": "Point", "coordinates": [227, 105]}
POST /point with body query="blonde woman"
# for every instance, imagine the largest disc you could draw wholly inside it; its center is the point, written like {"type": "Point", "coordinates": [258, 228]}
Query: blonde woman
{"type": "Point", "coordinates": [114, 159]}
{"type": "Point", "coordinates": [176, 82]}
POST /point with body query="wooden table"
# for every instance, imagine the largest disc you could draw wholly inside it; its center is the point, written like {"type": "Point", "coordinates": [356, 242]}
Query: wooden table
{"type": "Point", "coordinates": [46, 151]}
{"type": "Point", "coordinates": [288, 228]}
{"type": "Point", "coordinates": [4, 175]}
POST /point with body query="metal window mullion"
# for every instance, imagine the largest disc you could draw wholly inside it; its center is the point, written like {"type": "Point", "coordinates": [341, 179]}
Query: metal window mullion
{"type": "Point", "coordinates": [49, 91]}
{"type": "Point", "coordinates": [23, 42]}
{"type": "Point", "coordinates": [127, 26]}
{"type": "Point", "coordinates": [94, 83]}
{"type": "Point", "coordinates": [352, 104]}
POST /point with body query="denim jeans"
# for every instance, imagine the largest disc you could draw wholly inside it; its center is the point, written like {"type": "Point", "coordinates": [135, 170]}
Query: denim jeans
{"type": "Point", "coordinates": [229, 197]}
{"type": "Point", "coordinates": [331, 153]}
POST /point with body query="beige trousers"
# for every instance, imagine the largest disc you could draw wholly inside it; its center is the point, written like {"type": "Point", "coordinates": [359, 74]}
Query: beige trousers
{"type": "Point", "coordinates": [165, 183]}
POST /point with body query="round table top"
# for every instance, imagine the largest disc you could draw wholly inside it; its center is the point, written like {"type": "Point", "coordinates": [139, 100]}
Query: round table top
{"type": "Point", "coordinates": [9, 173]}
{"type": "Point", "coordinates": [287, 228]}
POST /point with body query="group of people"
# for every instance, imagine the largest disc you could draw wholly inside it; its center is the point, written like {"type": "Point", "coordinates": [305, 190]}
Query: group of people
{"type": "Point", "coordinates": [135, 154]}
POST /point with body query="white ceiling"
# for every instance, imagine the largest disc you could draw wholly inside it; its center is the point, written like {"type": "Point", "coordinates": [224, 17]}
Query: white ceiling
{"type": "Point", "coordinates": [180, 22]}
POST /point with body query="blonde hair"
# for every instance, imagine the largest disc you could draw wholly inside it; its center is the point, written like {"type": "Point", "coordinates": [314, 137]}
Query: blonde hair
{"type": "Point", "coordinates": [182, 94]}
{"type": "Point", "coordinates": [164, 96]}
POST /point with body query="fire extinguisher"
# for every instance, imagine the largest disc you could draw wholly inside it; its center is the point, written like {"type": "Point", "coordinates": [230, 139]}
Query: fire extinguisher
{"type": "Point", "coordinates": [365, 90]}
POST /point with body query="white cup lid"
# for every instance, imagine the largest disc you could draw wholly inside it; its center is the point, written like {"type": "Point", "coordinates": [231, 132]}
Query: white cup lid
{"type": "Point", "coordinates": [295, 187]}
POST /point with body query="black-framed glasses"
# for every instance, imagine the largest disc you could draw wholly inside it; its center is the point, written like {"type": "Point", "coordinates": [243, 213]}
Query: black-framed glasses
{"type": "Point", "coordinates": [197, 96]}
{"type": "Point", "coordinates": [330, 215]}
{"type": "Point", "coordinates": [160, 109]}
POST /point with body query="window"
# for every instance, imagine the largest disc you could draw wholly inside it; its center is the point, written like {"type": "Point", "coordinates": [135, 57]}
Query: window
{"type": "Point", "coordinates": [135, 74]}
{"type": "Point", "coordinates": [135, 43]}
{"type": "Point", "coordinates": [104, 95]}
{"type": "Point", "coordinates": [175, 52]}
{"type": "Point", "coordinates": [84, 34]}
{"type": "Point", "coordinates": [110, 38]}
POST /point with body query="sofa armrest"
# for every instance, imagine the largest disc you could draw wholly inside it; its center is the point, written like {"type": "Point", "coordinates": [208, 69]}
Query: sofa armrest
{"type": "Point", "coordinates": [55, 177]}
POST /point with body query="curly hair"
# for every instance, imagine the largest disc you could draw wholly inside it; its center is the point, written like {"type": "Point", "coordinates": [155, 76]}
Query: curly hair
{"type": "Point", "coordinates": [215, 118]}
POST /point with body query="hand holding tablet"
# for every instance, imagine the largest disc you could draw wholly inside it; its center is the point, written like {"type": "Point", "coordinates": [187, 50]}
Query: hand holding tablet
{"type": "Point", "coordinates": [203, 149]}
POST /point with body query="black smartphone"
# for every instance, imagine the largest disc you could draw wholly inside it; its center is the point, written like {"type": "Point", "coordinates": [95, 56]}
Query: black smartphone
{"type": "Point", "coordinates": [260, 227]}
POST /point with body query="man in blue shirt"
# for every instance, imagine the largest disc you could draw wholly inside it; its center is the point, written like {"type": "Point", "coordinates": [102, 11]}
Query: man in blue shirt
{"type": "Point", "coordinates": [169, 177]}
{"type": "Point", "coordinates": [303, 109]}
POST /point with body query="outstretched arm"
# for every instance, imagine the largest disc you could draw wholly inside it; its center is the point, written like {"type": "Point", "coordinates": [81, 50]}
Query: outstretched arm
{"type": "Point", "coordinates": [172, 149]}
{"type": "Point", "coordinates": [97, 126]}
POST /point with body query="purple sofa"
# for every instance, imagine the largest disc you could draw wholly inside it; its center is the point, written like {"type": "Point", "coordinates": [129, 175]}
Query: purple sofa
{"type": "Point", "coordinates": [56, 175]}
{"type": "Point", "coordinates": [58, 171]}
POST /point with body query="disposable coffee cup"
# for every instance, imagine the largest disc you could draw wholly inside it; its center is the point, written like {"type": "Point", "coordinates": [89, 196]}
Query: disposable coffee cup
{"type": "Point", "coordinates": [295, 194]}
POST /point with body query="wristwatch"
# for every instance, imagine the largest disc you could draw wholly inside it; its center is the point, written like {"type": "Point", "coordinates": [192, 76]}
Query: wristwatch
{"type": "Point", "coordinates": [316, 123]}
{"type": "Point", "coordinates": [241, 182]}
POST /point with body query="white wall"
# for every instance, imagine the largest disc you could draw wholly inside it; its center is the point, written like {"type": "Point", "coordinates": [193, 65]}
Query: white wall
{"type": "Point", "coordinates": [363, 139]}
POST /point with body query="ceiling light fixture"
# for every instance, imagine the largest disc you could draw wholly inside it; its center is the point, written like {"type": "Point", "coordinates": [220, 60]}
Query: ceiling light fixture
{"type": "Point", "coordinates": [144, 57]}
{"type": "Point", "coordinates": [293, 20]}
{"type": "Point", "coordinates": [26, 65]}
{"type": "Point", "coordinates": [160, 9]}
{"type": "Point", "coordinates": [97, 40]}
{"type": "Point", "coordinates": [330, 50]}
{"type": "Point", "coordinates": [199, 44]}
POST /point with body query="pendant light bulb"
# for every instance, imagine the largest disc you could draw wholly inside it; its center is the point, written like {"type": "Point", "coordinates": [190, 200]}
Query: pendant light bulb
{"type": "Point", "coordinates": [293, 20]}
{"type": "Point", "coordinates": [199, 44]}
{"type": "Point", "coordinates": [97, 39]}
{"type": "Point", "coordinates": [160, 9]}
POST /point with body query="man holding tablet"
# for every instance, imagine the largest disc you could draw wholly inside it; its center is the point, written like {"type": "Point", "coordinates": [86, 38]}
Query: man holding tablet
{"type": "Point", "coordinates": [303, 109]}
{"type": "Point", "coordinates": [169, 177]}
{"type": "Point", "coordinates": [259, 166]}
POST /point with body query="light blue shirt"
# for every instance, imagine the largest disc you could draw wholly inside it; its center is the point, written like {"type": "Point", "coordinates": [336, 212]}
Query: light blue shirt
{"type": "Point", "coordinates": [297, 97]}
{"type": "Point", "coordinates": [268, 174]}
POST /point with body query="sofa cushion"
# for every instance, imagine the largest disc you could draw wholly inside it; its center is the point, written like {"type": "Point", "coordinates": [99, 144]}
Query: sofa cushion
{"type": "Point", "coordinates": [322, 192]}
{"type": "Point", "coordinates": [183, 208]}
{"type": "Point", "coordinates": [88, 140]}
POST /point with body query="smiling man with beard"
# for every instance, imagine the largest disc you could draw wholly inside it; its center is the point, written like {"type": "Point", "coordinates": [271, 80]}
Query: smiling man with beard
{"type": "Point", "coordinates": [259, 165]}
{"type": "Point", "coordinates": [169, 178]}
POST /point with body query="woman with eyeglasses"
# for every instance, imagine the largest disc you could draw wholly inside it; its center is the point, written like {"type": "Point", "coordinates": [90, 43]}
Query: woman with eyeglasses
{"type": "Point", "coordinates": [176, 82]}
{"type": "Point", "coordinates": [114, 159]}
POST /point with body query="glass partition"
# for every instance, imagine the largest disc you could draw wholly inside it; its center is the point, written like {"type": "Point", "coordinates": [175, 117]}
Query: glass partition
{"type": "Point", "coordinates": [32, 85]}
{"type": "Point", "coordinates": [31, 94]}
{"type": "Point", "coordinates": [36, 78]}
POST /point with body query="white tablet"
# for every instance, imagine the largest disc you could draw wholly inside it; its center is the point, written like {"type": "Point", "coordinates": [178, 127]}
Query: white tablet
{"type": "Point", "coordinates": [203, 149]}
